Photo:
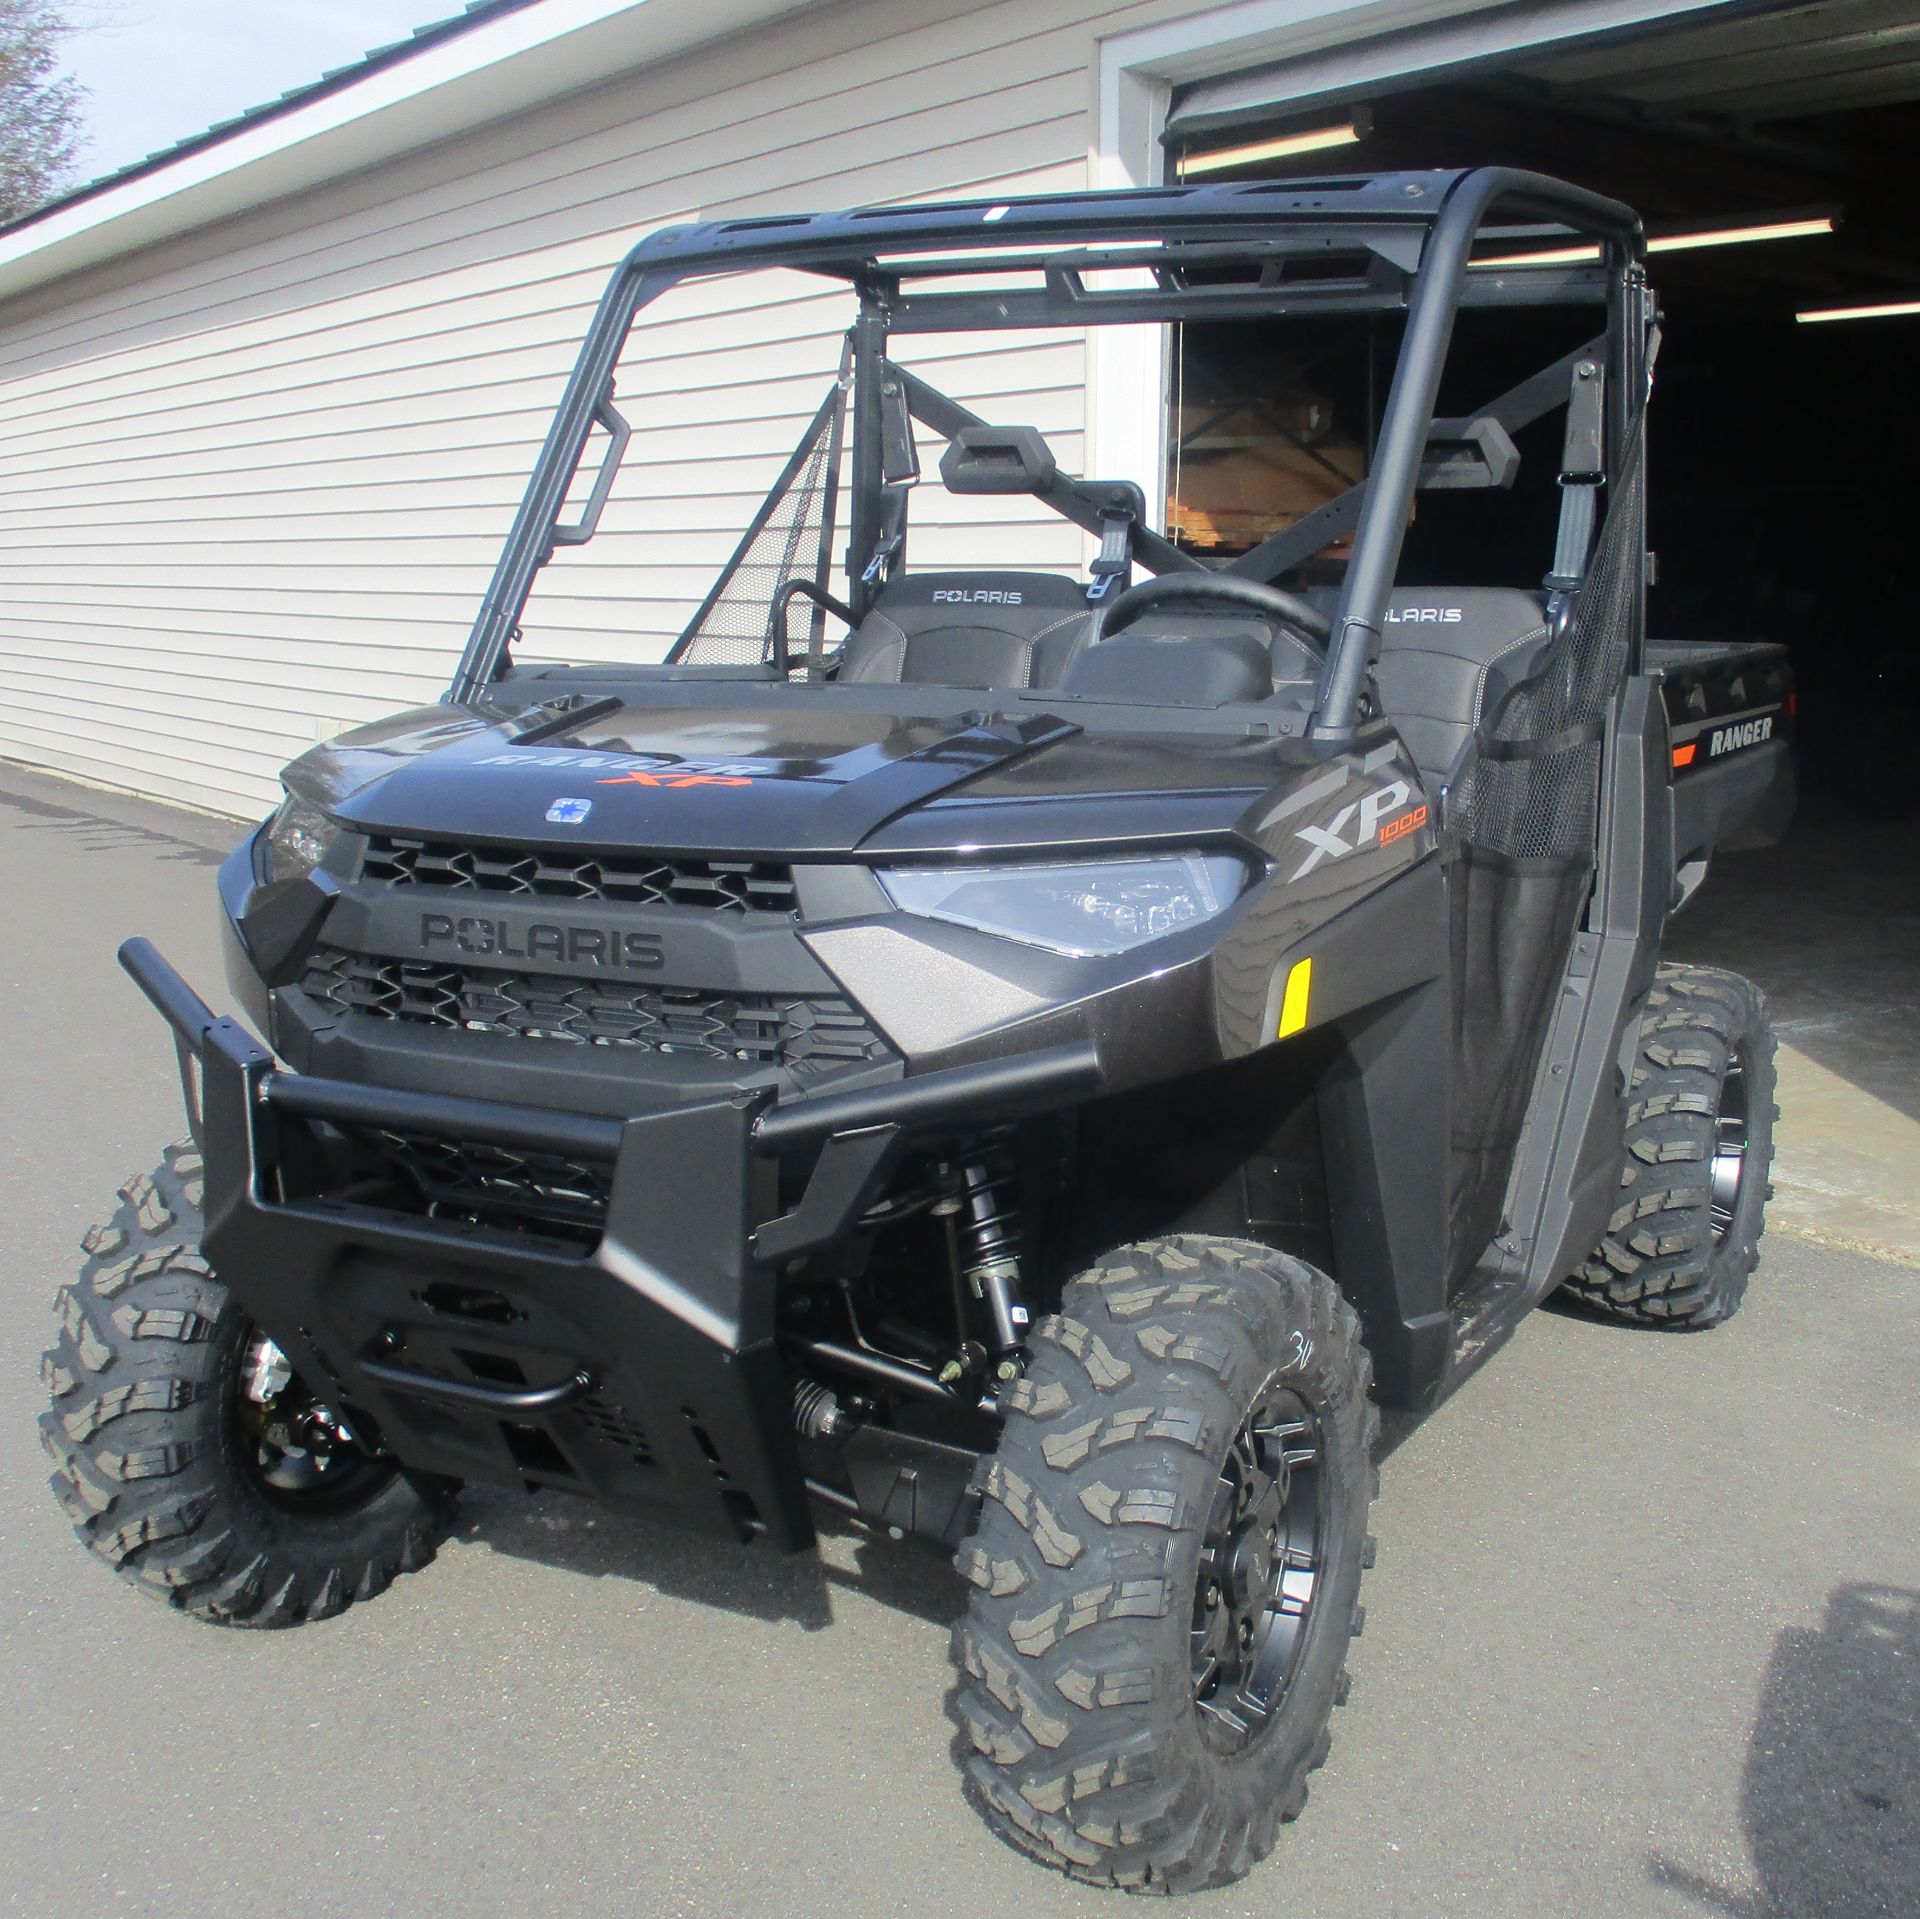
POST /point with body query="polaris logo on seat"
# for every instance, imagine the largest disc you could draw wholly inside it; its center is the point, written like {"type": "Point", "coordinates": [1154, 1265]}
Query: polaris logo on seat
{"type": "Point", "coordinates": [981, 596]}
{"type": "Point", "coordinates": [1730, 739]}
{"type": "Point", "coordinates": [1425, 615]}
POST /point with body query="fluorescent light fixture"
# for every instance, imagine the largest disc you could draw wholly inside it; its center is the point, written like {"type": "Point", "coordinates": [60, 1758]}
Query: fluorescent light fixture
{"type": "Point", "coordinates": [1878, 310]}
{"type": "Point", "coordinates": [1807, 229]}
{"type": "Point", "coordinates": [1345, 135]}
{"type": "Point", "coordinates": [1546, 257]}
{"type": "Point", "coordinates": [1799, 227]}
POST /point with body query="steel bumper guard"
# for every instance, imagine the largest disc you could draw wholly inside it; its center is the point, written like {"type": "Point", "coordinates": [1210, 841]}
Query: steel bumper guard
{"type": "Point", "coordinates": [643, 1370]}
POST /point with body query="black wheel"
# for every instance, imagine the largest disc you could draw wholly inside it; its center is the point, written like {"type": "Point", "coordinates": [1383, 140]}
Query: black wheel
{"type": "Point", "coordinates": [187, 1452]}
{"type": "Point", "coordinates": [1694, 1191]}
{"type": "Point", "coordinates": [1166, 1570]}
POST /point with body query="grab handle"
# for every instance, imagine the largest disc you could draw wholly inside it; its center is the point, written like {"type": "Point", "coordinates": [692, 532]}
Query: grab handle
{"type": "Point", "coordinates": [493, 1399]}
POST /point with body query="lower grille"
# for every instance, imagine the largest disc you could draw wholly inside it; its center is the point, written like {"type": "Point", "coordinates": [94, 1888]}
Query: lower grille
{"type": "Point", "coordinates": [809, 1037]}
{"type": "Point", "coordinates": [548, 1194]}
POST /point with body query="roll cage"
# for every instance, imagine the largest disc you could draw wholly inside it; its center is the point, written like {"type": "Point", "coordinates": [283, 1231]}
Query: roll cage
{"type": "Point", "coordinates": [1353, 244]}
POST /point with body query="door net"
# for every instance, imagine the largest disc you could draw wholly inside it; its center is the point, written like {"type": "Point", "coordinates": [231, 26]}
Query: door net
{"type": "Point", "coordinates": [1521, 827]}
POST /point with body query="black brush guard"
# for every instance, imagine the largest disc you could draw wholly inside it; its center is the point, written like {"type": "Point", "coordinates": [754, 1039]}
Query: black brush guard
{"type": "Point", "coordinates": [642, 1370]}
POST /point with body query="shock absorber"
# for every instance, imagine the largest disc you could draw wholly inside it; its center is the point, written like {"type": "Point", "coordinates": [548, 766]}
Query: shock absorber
{"type": "Point", "coordinates": [988, 1233]}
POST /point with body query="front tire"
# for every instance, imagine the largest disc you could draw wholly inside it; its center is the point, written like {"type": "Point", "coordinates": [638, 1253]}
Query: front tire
{"type": "Point", "coordinates": [1167, 1565]}
{"type": "Point", "coordinates": [1693, 1186]}
{"type": "Point", "coordinates": [186, 1453]}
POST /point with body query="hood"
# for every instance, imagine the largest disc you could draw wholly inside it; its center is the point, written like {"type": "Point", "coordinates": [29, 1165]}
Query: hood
{"type": "Point", "coordinates": [812, 777]}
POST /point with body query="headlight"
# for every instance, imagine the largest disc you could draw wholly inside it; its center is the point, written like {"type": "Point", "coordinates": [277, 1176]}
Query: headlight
{"type": "Point", "coordinates": [299, 837]}
{"type": "Point", "coordinates": [1092, 907]}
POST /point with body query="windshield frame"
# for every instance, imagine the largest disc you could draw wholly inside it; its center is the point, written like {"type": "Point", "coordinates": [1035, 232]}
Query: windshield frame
{"type": "Point", "coordinates": [1415, 233]}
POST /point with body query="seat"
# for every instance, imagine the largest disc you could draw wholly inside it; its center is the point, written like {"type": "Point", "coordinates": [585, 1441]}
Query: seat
{"type": "Point", "coordinates": [1448, 655]}
{"type": "Point", "coordinates": [970, 630]}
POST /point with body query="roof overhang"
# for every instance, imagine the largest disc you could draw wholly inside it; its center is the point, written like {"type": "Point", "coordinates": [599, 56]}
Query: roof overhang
{"type": "Point", "coordinates": [500, 67]}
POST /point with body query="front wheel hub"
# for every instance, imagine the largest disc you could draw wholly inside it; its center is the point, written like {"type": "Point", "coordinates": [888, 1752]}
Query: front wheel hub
{"type": "Point", "coordinates": [1259, 1567]}
{"type": "Point", "coordinates": [301, 1451]}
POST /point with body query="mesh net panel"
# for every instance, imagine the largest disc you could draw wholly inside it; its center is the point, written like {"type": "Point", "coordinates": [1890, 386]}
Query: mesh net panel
{"type": "Point", "coordinates": [791, 535]}
{"type": "Point", "coordinates": [1531, 791]}
{"type": "Point", "coordinates": [1522, 823]}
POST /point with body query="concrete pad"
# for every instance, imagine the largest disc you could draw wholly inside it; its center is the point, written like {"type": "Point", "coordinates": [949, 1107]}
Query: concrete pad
{"type": "Point", "coordinates": [1828, 924]}
{"type": "Point", "coordinates": [1846, 1165]}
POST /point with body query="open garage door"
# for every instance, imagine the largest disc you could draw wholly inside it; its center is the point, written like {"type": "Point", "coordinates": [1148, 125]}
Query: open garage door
{"type": "Point", "coordinates": [1773, 153]}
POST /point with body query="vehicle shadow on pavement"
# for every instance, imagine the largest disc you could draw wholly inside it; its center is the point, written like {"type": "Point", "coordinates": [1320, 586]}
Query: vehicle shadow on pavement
{"type": "Point", "coordinates": [753, 1580]}
{"type": "Point", "coordinates": [1830, 1802]}
{"type": "Point", "coordinates": [88, 833]}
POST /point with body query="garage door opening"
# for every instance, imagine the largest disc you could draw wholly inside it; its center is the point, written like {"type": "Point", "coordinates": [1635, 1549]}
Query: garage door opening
{"type": "Point", "coordinates": [1771, 156]}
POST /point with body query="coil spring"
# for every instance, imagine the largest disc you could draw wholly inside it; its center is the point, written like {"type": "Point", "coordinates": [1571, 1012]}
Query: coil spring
{"type": "Point", "coordinates": [988, 1234]}
{"type": "Point", "coordinates": [989, 1222]}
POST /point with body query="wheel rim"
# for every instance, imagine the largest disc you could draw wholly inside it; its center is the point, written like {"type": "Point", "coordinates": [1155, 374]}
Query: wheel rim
{"type": "Point", "coordinates": [301, 1453]}
{"type": "Point", "coordinates": [1260, 1564]}
{"type": "Point", "coordinates": [1730, 1140]}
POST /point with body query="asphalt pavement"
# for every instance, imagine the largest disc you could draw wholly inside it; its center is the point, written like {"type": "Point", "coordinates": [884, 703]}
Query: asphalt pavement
{"type": "Point", "coordinates": [1644, 1636]}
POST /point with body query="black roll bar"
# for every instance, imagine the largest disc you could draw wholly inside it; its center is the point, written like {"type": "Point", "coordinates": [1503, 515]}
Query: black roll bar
{"type": "Point", "coordinates": [1415, 390]}
{"type": "Point", "coordinates": [1372, 212]}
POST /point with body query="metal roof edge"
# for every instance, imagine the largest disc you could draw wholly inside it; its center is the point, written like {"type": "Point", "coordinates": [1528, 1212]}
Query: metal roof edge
{"type": "Point", "coordinates": [504, 57]}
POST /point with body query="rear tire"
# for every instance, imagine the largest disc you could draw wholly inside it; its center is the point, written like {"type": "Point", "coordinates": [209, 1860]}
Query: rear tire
{"type": "Point", "coordinates": [1194, 1398]}
{"type": "Point", "coordinates": [162, 1459]}
{"type": "Point", "coordinates": [1686, 1235]}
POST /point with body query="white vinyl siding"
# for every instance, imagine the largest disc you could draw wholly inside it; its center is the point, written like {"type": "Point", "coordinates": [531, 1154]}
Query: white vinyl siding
{"type": "Point", "coordinates": [252, 482]}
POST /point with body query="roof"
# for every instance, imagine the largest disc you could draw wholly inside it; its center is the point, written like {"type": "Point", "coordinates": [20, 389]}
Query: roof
{"type": "Point", "coordinates": [496, 59]}
{"type": "Point", "coordinates": [332, 81]}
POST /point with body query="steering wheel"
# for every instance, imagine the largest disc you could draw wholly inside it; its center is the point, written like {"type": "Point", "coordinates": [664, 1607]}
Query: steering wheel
{"type": "Point", "coordinates": [1303, 618]}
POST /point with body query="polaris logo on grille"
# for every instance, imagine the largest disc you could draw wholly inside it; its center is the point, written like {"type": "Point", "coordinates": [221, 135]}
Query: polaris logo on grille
{"type": "Point", "coordinates": [1730, 739]}
{"type": "Point", "coordinates": [976, 596]}
{"type": "Point", "coordinates": [607, 946]}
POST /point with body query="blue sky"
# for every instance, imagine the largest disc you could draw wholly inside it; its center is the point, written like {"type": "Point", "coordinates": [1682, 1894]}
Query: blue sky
{"type": "Point", "coordinates": [159, 70]}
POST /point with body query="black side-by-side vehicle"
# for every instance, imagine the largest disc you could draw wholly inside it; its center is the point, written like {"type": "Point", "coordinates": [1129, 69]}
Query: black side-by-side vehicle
{"type": "Point", "coordinates": [1029, 1061]}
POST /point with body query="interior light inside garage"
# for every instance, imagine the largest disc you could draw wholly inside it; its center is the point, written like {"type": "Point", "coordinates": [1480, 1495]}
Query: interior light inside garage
{"type": "Point", "coordinates": [1798, 227]}
{"type": "Point", "coordinates": [1877, 310]}
{"type": "Point", "coordinates": [1344, 135]}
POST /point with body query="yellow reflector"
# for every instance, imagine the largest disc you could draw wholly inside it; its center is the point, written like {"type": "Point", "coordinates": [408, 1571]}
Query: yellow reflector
{"type": "Point", "coordinates": [1293, 1004]}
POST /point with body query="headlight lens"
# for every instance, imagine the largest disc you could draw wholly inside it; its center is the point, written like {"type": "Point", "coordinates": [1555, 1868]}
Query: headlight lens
{"type": "Point", "coordinates": [1089, 908]}
{"type": "Point", "coordinates": [299, 837]}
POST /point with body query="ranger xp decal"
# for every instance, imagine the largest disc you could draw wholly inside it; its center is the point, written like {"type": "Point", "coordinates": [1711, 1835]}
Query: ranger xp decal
{"type": "Point", "coordinates": [1377, 815]}
{"type": "Point", "coordinates": [674, 778]}
{"type": "Point", "coordinates": [579, 760]}
{"type": "Point", "coordinates": [1730, 739]}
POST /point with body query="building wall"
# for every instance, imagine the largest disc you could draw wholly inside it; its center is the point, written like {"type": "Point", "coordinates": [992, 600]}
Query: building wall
{"type": "Point", "coordinates": [252, 482]}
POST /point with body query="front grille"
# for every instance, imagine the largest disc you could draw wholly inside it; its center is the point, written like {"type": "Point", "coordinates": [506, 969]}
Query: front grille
{"type": "Point", "coordinates": [558, 872]}
{"type": "Point", "coordinates": [548, 1194]}
{"type": "Point", "coordinates": [808, 1037]}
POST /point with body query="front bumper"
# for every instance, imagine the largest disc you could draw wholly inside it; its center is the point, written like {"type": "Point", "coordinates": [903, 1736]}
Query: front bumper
{"type": "Point", "coordinates": [640, 1368]}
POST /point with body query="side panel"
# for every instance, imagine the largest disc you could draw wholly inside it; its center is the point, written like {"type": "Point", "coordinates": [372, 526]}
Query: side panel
{"type": "Point", "coordinates": [1730, 709]}
{"type": "Point", "coordinates": [1383, 1106]}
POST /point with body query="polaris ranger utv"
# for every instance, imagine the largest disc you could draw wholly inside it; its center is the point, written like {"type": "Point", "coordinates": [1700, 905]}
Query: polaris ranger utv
{"type": "Point", "coordinates": [1030, 1062]}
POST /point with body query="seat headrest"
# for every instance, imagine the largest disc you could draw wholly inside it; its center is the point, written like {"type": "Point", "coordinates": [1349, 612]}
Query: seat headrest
{"type": "Point", "coordinates": [997, 459]}
{"type": "Point", "coordinates": [1009, 600]}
